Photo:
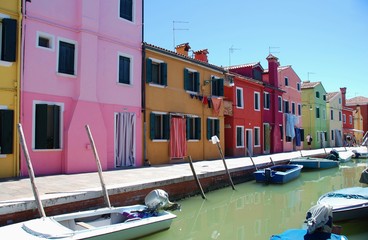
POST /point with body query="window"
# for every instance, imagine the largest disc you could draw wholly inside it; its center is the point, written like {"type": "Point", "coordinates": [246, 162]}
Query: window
{"type": "Point", "coordinates": [125, 69]}
{"type": "Point", "coordinates": [344, 118]}
{"type": "Point", "coordinates": [126, 9]}
{"type": "Point", "coordinates": [256, 101]}
{"type": "Point", "coordinates": [286, 81]}
{"type": "Point", "coordinates": [299, 109]}
{"type": "Point", "coordinates": [286, 106]}
{"type": "Point", "coordinates": [298, 86]}
{"type": "Point", "coordinates": [280, 104]}
{"type": "Point", "coordinates": [67, 58]}
{"type": "Point", "coordinates": [332, 135]}
{"type": "Point", "coordinates": [317, 94]}
{"type": "Point", "coordinates": [293, 108]}
{"type": "Point", "coordinates": [193, 128]}
{"type": "Point", "coordinates": [266, 100]}
{"type": "Point", "coordinates": [257, 136]}
{"type": "Point", "coordinates": [339, 100]}
{"type": "Point", "coordinates": [324, 97]}
{"type": "Point", "coordinates": [47, 126]}
{"type": "Point", "coordinates": [350, 119]}
{"type": "Point", "coordinates": [6, 131]}
{"type": "Point", "coordinates": [331, 114]}
{"type": "Point", "coordinates": [156, 72]}
{"type": "Point", "coordinates": [281, 128]}
{"type": "Point", "coordinates": [8, 39]}
{"type": "Point", "coordinates": [191, 80]}
{"type": "Point", "coordinates": [213, 128]}
{"type": "Point", "coordinates": [45, 41]}
{"type": "Point", "coordinates": [159, 126]}
{"type": "Point", "coordinates": [239, 136]}
{"type": "Point", "coordinates": [239, 98]}
{"type": "Point", "coordinates": [217, 86]}
{"type": "Point", "coordinates": [340, 116]}
{"type": "Point", "coordinates": [317, 112]}
{"type": "Point", "coordinates": [324, 114]}
{"type": "Point", "coordinates": [257, 74]}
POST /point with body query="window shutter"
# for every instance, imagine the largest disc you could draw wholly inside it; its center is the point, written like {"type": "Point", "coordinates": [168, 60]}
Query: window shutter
{"type": "Point", "coordinates": [217, 128]}
{"type": "Point", "coordinates": [148, 70]}
{"type": "Point", "coordinates": [186, 79]}
{"type": "Point", "coordinates": [66, 58]}
{"type": "Point", "coordinates": [197, 77]}
{"type": "Point", "coordinates": [9, 40]}
{"type": "Point", "coordinates": [166, 123]}
{"type": "Point", "coordinates": [221, 87]}
{"type": "Point", "coordinates": [187, 127]}
{"type": "Point", "coordinates": [56, 126]}
{"type": "Point", "coordinates": [163, 68]}
{"type": "Point", "coordinates": [152, 125]}
{"type": "Point", "coordinates": [198, 128]}
{"type": "Point", "coordinates": [6, 131]}
{"type": "Point", "coordinates": [209, 128]}
{"type": "Point", "coordinates": [302, 134]}
{"type": "Point", "coordinates": [41, 126]}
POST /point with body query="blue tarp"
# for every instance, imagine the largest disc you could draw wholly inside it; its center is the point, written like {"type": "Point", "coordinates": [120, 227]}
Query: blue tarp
{"type": "Point", "coordinates": [301, 234]}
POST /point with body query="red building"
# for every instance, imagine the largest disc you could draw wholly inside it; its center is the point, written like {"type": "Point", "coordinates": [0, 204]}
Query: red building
{"type": "Point", "coordinates": [347, 115]}
{"type": "Point", "coordinates": [362, 103]}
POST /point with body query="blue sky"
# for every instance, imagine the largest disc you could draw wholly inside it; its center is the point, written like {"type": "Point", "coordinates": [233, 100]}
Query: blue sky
{"type": "Point", "coordinates": [327, 38]}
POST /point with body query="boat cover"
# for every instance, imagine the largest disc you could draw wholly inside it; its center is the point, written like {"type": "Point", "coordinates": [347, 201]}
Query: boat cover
{"type": "Point", "coordinates": [302, 234]}
{"type": "Point", "coordinates": [319, 217]}
{"type": "Point", "coordinates": [364, 176]}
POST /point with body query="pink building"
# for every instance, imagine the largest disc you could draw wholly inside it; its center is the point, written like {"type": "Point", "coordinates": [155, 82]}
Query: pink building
{"type": "Point", "coordinates": [290, 83]}
{"type": "Point", "coordinates": [82, 65]}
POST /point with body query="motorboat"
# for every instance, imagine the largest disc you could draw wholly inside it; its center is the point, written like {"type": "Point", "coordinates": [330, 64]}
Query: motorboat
{"type": "Point", "coordinates": [314, 162]}
{"type": "Point", "coordinates": [278, 173]}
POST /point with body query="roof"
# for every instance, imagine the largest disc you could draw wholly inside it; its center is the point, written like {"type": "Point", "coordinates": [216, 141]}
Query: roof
{"type": "Point", "coordinates": [331, 95]}
{"type": "Point", "coordinates": [174, 54]}
{"type": "Point", "coordinates": [360, 100]}
{"type": "Point", "coordinates": [308, 84]}
{"type": "Point", "coordinates": [255, 64]}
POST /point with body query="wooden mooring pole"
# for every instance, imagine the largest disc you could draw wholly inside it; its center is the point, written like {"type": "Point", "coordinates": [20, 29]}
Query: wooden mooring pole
{"type": "Point", "coordinates": [196, 177]}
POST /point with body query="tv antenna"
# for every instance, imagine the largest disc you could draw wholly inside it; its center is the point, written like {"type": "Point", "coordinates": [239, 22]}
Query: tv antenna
{"type": "Point", "coordinates": [309, 73]}
{"type": "Point", "coordinates": [231, 50]}
{"type": "Point", "coordinates": [176, 29]}
{"type": "Point", "coordinates": [270, 51]}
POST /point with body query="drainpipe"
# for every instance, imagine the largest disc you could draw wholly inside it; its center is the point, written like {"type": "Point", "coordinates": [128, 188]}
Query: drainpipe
{"type": "Point", "coordinates": [143, 96]}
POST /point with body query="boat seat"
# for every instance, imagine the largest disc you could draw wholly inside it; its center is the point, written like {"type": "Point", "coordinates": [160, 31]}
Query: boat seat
{"type": "Point", "coordinates": [85, 225]}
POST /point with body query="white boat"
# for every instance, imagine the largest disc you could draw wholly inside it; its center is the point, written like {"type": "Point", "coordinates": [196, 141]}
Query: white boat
{"type": "Point", "coordinates": [103, 223]}
{"type": "Point", "coordinates": [347, 203]}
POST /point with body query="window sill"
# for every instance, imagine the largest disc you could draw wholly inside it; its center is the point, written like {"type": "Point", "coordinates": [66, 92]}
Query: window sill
{"type": "Point", "coordinates": [157, 85]}
{"type": "Point", "coordinates": [5, 63]}
{"type": "Point", "coordinates": [47, 150]}
{"type": "Point", "coordinates": [160, 140]}
{"type": "Point", "coordinates": [66, 75]}
{"type": "Point", "coordinates": [193, 140]}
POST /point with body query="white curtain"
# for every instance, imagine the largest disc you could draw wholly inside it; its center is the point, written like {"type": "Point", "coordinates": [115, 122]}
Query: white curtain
{"type": "Point", "coordinates": [125, 139]}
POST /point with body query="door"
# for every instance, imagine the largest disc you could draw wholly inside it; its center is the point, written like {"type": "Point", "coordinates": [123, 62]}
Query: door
{"type": "Point", "coordinates": [178, 142]}
{"type": "Point", "coordinates": [266, 138]}
{"type": "Point", "coordinates": [249, 141]}
{"type": "Point", "coordinates": [125, 138]}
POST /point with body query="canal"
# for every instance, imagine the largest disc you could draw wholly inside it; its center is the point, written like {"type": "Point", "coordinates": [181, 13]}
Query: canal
{"type": "Point", "coordinates": [256, 211]}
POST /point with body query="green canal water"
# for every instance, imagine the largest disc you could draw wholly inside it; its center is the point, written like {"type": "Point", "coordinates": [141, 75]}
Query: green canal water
{"type": "Point", "coordinates": [256, 211]}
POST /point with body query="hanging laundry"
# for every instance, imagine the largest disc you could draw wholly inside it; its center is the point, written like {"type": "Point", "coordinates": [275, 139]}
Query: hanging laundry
{"type": "Point", "coordinates": [205, 100]}
{"type": "Point", "coordinates": [216, 105]}
{"type": "Point", "coordinates": [200, 98]}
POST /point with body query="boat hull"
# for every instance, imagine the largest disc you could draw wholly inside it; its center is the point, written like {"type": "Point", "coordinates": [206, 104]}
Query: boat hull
{"type": "Point", "coordinates": [347, 204]}
{"type": "Point", "coordinates": [301, 234]}
{"type": "Point", "coordinates": [315, 163]}
{"type": "Point", "coordinates": [278, 174]}
{"type": "Point", "coordinates": [100, 224]}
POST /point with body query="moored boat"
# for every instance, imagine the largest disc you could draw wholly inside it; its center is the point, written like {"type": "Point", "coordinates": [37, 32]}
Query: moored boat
{"type": "Point", "coordinates": [315, 163]}
{"type": "Point", "coordinates": [278, 173]}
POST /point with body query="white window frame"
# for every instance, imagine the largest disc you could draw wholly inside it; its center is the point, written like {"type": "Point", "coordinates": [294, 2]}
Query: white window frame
{"type": "Point", "coordinates": [264, 101]}
{"type": "Point", "coordinates": [48, 36]}
{"type": "Point", "coordinates": [286, 81]}
{"type": "Point", "coordinates": [280, 103]}
{"type": "Point", "coordinates": [242, 136]}
{"type": "Point", "coordinates": [75, 43]}
{"type": "Point", "coordinates": [350, 119]}
{"type": "Point", "coordinates": [293, 108]}
{"type": "Point", "coordinates": [344, 118]}
{"type": "Point", "coordinates": [257, 135]}
{"type": "Point", "coordinates": [131, 67]}
{"type": "Point", "coordinates": [241, 98]}
{"type": "Point", "coordinates": [133, 13]}
{"type": "Point", "coordinates": [258, 95]}
{"type": "Point", "coordinates": [2, 62]}
{"type": "Point", "coordinates": [61, 105]}
{"type": "Point", "coordinates": [298, 86]}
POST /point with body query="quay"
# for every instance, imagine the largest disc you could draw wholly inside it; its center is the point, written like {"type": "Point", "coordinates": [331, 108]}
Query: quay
{"type": "Point", "coordinates": [76, 192]}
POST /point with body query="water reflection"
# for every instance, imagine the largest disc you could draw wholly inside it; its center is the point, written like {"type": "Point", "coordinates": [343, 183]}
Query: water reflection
{"type": "Point", "coordinates": [256, 211]}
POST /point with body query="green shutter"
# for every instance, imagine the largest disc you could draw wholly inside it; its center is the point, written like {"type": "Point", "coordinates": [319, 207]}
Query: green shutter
{"type": "Point", "coordinates": [197, 77]}
{"type": "Point", "coordinates": [41, 126]}
{"type": "Point", "coordinates": [187, 127]}
{"type": "Point", "coordinates": [9, 39]}
{"type": "Point", "coordinates": [198, 128]}
{"type": "Point", "coordinates": [166, 123]}
{"type": "Point", "coordinates": [217, 128]}
{"type": "Point", "coordinates": [148, 70]}
{"type": "Point", "coordinates": [209, 128]}
{"type": "Point", "coordinates": [163, 68]}
{"type": "Point", "coordinates": [6, 131]}
{"type": "Point", "coordinates": [186, 79]}
{"type": "Point", "coordinates": [152, 125]}
{"type": "Point", "coordinates": [56, 126]}
{"type": "Point", "coordinates": [221, 87]}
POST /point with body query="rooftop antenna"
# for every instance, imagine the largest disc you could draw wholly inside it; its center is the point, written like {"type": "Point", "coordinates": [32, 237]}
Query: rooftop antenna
{"type": "Point", "coordinates": [231, 50]}
{"type": "Point", "coordinates": [269, 50]}
{"type": "Point", "coordinates": [175, 29]}
{"type": "Point", "coordinates": [309, 73]}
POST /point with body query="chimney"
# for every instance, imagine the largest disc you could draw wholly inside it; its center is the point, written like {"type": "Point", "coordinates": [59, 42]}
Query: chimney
{"type": "Point", "coordinates": [183, 49]}
{"type": "Point", "coordinates": [201, 55]}
{"type": "Point", "coordinates": [273, 64]}
{"type": "Point", "coordinates": [343, 96]}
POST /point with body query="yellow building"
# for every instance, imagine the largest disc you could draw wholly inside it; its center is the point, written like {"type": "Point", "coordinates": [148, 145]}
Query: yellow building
{"type": "Point", "coordinates": [183, 105]}
{"type": "Point", "coordinates": [10, 25]}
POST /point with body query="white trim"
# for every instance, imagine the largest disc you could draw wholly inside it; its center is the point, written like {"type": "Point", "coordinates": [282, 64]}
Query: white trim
{"type": "Point", "coordinates": [48, 36]}
{"type": "Point", "coordinates": [258, 94]}
{"type": "Point", "coordinates": [264, 100]}
{"type": "Point", "coordinates": [157, 112]}
{"type": "Point", "coordinates": [241, 98]}
{"type": "Point", "coordinates": [133, 13]}
{"type": "Point", "coordinates": [280, 105]}
{"type": "Point", "coordinates": [156, 60]}
{"type": "Point", "coordinates": [131, 80]}
{"type": "Point", "coordinates": [242, 136]}
{"type": "Point", "coordinates": [60, 39]}
{"type": "Point", "coordinates": [259, 136]}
